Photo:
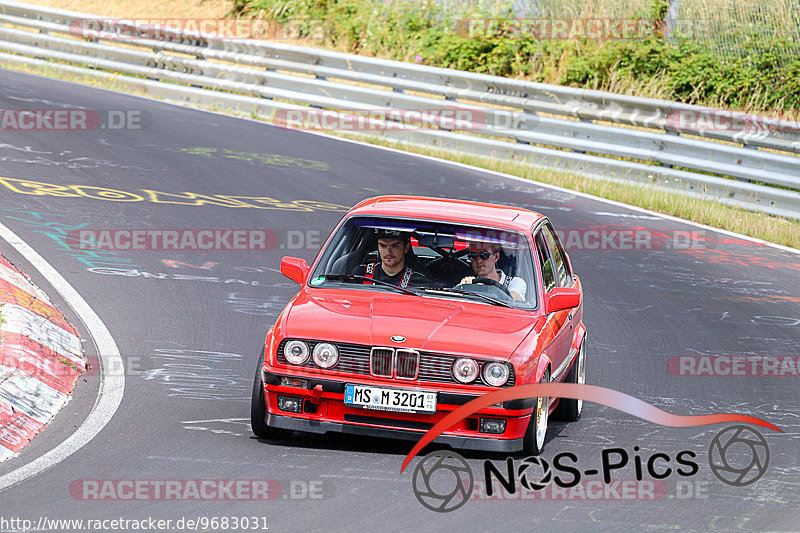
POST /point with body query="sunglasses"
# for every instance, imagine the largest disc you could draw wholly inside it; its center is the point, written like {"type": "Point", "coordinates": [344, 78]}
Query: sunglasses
{"type": "Point", "coordinates": [483, 255]}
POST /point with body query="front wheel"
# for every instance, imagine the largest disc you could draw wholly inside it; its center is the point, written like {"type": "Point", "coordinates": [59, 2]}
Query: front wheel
{"type": "Point", "coordinates": [533, 441]}
{"type": "Point", "coordinates": [258, 410]}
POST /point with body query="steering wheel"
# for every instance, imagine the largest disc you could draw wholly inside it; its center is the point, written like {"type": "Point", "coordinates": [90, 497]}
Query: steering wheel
{"type": "Point", "coordinates": [487, 281]}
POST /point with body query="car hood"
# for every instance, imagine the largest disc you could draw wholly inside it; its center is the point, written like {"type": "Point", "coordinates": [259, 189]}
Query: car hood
{"type": "Point", "coordinates": [430, 324]}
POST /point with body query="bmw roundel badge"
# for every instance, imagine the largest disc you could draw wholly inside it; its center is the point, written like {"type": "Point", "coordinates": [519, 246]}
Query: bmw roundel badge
{"type": "Point", "coordinates": [398, 338]}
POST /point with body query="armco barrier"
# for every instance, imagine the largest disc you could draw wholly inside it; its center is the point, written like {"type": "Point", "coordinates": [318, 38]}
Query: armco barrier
{"type": "Point", "coordinates": [604, 135]}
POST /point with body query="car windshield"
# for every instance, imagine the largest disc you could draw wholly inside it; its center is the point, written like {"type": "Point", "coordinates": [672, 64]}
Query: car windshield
{"type": "Point", "coordinates": [430, 259]}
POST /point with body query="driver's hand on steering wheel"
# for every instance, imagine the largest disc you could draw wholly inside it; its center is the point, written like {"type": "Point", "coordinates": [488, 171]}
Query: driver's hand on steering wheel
{"type": "Point", "coordinates": [467, 280]}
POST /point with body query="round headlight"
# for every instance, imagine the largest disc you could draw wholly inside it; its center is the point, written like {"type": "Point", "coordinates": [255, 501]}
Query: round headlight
{"type": "Point", "coordinates": [496, 374]}
{"type": "Point", "coordinates": [326, 355]}
{"type": "Point", "coordinates": [465, 370]}
{"type": "Point", "coordinates": [296, 352]}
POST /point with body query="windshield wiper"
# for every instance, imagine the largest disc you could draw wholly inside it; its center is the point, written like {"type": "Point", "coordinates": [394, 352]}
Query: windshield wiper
{"type": "Point", "coordinates": [458, 291]}
{"type": "Point", "coordinates": [357, 277]}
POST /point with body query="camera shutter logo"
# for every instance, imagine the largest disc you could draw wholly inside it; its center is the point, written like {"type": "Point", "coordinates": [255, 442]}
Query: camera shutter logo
{"type": "Point", "coordinates": [523, 472]}
{"type": "Point", "coordinates": [442, 481]}
{"type": "Point", "coordinates": [738, 455]}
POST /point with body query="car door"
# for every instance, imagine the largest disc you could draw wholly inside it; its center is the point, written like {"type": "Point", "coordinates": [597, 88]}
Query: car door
{"type": "Point", "coordinates": [555, 273]}
{"type": "Point", "coordinates": [564, 275]}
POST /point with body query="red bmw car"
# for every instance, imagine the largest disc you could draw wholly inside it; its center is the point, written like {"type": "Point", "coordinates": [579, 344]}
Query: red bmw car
{"type": "Point", "coordinates": [415, 306]}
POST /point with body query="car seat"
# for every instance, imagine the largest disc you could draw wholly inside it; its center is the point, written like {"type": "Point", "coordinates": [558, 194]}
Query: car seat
{"type": "Point", "coordinates": [348, 262]}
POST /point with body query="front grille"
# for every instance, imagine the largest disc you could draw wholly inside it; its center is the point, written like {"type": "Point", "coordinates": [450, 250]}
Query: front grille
{"type": "Point", "coordinates": [407, 364]}
{"type": "Point", "coordinates": [380, 362]}
{"type": "Point", "coordinates": [357, 359]}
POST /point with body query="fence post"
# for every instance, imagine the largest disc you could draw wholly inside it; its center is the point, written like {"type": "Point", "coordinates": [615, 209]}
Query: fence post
{"type": "Point", "coordinates": [525, 8]}
{"type": "Point", "coordinates": [672, 19]}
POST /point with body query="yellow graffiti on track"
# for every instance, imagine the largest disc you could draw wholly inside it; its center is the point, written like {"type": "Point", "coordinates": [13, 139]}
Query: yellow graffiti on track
{"type": "Point", "coordinates": [38, 188]}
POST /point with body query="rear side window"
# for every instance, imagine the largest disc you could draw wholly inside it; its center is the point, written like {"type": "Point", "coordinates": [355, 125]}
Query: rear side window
{"type": "Point", "coordinates": [557, 253]}
{"type": "Point", "coordinates": [545, 262]}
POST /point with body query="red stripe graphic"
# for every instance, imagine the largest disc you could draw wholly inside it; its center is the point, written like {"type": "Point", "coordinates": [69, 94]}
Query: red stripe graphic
{"type": "Point", "coordinates": [18, 351]}
{"type": "Point", "coordinates": [31, 368]}
{"type": "Point", "coordinates": [588, 393]}
{"type": "Point", "coordinates": [10, 293]}
{"type": "Point", "coordinates": [5, 262]}
{"type": "Point", "coordinates": [16, 429]}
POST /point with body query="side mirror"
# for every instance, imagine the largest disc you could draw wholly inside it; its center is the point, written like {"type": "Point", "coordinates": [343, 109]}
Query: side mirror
{"type": "Point", "coordinates": [562, 298]}
{"type": "Point", "coordinates": [295, 269]}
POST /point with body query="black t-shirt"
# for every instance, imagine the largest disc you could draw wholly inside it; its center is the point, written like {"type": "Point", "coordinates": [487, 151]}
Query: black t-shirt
{"type": "Point", "coordinates": [416, 278]}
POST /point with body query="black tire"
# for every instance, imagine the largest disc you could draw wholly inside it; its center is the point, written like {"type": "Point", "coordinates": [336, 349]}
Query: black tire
{"type": "Point", "coordinates": [536, 434]}
{"type": "Point", "coordinates": [569, 409]}
{"type": "Point", "coordinates": [258, 410]}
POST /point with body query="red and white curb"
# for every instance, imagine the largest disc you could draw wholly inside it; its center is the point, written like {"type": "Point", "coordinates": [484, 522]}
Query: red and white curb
{"type": "Point", "coordinates": [40, 360]}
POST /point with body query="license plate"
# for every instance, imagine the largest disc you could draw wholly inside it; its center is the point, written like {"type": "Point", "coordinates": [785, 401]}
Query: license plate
{"type": "Point", "coordinates": [382, 399]}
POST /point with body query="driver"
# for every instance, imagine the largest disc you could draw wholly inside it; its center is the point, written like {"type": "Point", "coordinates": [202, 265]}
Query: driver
{"type": "Point", "coordinates": [484, 256]}
{"type": "Point", "coordinates": [392, 249]}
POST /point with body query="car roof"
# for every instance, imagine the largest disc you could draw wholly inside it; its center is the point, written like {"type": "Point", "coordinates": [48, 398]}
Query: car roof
{"type": "Point", "coordinates": [450, 210]}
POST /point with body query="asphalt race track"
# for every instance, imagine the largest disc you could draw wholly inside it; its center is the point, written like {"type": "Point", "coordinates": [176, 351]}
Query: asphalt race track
{"type": "Point", "coordinates": [189, 325]}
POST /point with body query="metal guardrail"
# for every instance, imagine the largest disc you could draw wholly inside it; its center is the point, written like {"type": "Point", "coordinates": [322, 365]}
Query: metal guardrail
{"type": "Point", "coordinates": [586, 132]}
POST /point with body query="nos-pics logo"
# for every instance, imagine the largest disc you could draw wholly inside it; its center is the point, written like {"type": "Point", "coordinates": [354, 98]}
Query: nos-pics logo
{"type": "Point", "coordinates": [443, 481]}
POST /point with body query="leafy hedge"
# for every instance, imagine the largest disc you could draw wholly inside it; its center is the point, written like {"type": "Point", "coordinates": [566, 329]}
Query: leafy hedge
{"type": "Point", "coordinates": [651, 66]}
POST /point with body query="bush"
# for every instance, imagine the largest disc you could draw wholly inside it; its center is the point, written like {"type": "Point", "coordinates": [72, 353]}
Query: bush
{"type": "Point", "coordinates": [678, 71]}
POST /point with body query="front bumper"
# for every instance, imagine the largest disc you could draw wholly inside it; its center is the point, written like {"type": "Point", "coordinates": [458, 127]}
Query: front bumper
{"type": "Point", "coordinates": [319, 426]}
{"type": "Point", "coordinates": [329, 414]}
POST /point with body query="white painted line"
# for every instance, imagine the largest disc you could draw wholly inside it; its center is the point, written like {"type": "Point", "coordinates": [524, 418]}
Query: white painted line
{"type": "Point", "coordinates": [623, 215]}
{"type": "Point", "coordinates": [17, 319]}
{"type": "Point", "coordinates": [112, 384]}
{"type": "Point", "coordinates": [231, 420]}
{"type": "Point", "coordinates": [29, 395]}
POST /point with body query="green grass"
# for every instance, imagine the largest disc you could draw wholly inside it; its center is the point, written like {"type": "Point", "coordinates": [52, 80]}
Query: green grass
{"type": "Point", "coordinates": [769, 228]}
